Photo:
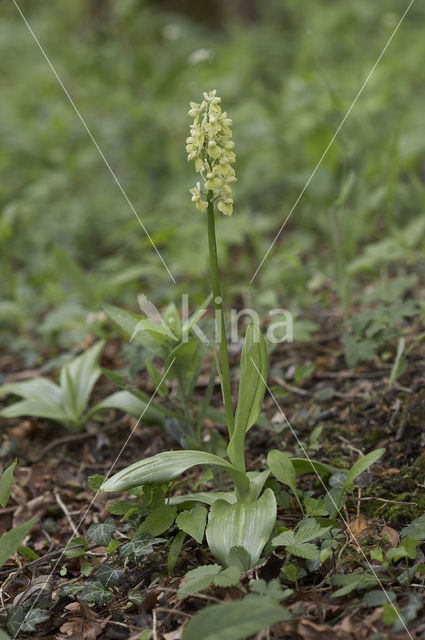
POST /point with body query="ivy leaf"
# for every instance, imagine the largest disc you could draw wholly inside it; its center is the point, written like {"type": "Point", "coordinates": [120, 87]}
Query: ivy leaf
{"type": "Point", "coordinates": [108, 576]}
{"type": "Point", "coordinates": [141, 545]}
{"type": "Point", "coordinates": [75, 547]}
{"type": "Point", "coordinates": [121, 507]}
{"type": "Point", "coordinates": [193, 522]}
{"type": "Point", "coordinates": [25, 622]}
{"type": "Point", "coordinates": [101, 533]}
{"type": "Point", "coordinates": [94, 591]}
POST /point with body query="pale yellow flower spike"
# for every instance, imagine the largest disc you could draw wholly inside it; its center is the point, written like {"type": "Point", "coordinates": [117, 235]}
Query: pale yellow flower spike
{"type": "Point", "coordinates": [211, 147]}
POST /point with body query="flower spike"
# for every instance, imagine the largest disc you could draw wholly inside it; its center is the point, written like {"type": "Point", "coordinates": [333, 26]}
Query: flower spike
{"type": "Point", "coordinates": [211, 147]}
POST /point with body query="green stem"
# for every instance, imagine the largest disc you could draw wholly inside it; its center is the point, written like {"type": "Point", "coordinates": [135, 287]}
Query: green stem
{"type": "Point", "coordinates": [218, 304]}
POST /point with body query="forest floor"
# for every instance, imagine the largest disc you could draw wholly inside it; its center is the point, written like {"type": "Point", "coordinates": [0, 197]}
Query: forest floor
{"type": "Point", "coordinates": [337, 415]}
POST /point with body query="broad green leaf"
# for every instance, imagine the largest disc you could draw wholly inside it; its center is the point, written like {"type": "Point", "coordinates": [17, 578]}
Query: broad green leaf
{"type": "Point", "coordinates": [108, 575]}
{"type": "Point", "coordinates": [4, 635]}
{"type": "Point", "coordinates": [166, 466]}
{"type": "Point", "coordinates": [280, 464]}
{"type": "Point", "coordinates": [197, 315]}
{"type": "Point", "coordinates": [6, 481]}
{"type": "Point", "coordinates": [157, 378]}
{"type": "Point", "coordinates": [35, 389]}
{"type": "Point", "coordinates": [361, 465]}
{"type": "Point", "coordinates": [245, 524]}
{"type": "Point", "coordinates": [101, 532]}
{"type": "Point", "coordinates": [78, 377]}
{"type": "Point", "coordinates": [11, 540]}
{"type": "Point", "coordinates": [303, 465]}
{"type": "Point", "coordinates": [234, 620]}
{"type": "Point", "coordinates": [174, 551]}
{"type": "Point", "coordinates": [184, 363]}
{"type": "Point", "coordinates": [193, 522]}
{"type": "Point", "coordinates": [152, 335]}
{"type": "Point", "coordinates": [257, 481]}
{"type": "Point", "coordinates": [128, 402]}
{"type": "Point", "coordinates": [204, 497]}
{"type": "Point", "coordinates": [43, 399]}
{"type": "Point", "coordinates": [252, 385]}
{"type": "Point", "coordinates": [36, 408]}
{"type": "Point", "coordinates": [159, 521]}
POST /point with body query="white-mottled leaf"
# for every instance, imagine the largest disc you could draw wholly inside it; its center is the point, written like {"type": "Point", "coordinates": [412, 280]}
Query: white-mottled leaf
{"type": "Point", "coordinates": [101, 532]}
{"type": "Point", "coordinates": [94, 591]}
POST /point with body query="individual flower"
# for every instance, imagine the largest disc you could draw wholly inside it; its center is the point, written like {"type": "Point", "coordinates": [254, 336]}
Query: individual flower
{"type": "Point", "coordinates": [211, 148]}
{"type": "Point", "coordinates": [197, 197]}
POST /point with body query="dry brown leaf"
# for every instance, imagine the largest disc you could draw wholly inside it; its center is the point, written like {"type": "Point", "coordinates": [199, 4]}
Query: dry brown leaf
{"type": "Point", "coordinates": [174, 635]}
{"type": "Point", "coordinates": [309, 630]}
{"type": "Point", "coordinates": [360, 527]}
{"type": "Point", "coordinates": [392, 535]}
{"type": "Point", "coordinates": [80, 629]}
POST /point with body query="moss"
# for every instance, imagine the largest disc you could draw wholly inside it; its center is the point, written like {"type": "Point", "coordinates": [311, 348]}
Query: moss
{"type": "Point", "coordinates": [403, 488]}
{"type": "Point", "coordinates": [374, 435]}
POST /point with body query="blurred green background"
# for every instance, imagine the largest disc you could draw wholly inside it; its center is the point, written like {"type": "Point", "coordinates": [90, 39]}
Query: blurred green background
{"type": "Point", "coordinates": [287, 72]}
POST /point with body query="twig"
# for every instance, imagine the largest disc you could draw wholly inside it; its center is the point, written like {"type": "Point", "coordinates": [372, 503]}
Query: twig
{"type": "Point", "coordinates": [415, 504]}
{"type": "Point", "coordinates": [65, 510]}
{"type": "Point", "coordinates": [289, 387]}
{"type": "Point", "coordinates": [154, 627]}
{"type": "Point", "coordinates": [175, 612]}
{"type": "Point", "coordinates": [74, 437]}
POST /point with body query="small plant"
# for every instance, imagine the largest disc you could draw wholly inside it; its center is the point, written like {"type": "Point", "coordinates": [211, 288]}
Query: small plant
{"type": "Point", "coordinates": [10, 541]}
{"type": "Point", "coordinates": [374, 329]}
{"type": "Point", "coordinates": [241, 520]}
{"type": "Point", "coordinates": [67, 403]}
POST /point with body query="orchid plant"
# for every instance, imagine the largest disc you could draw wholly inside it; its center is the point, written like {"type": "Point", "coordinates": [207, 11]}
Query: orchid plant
{"type": "Point", "coordinates": [240, 521]}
